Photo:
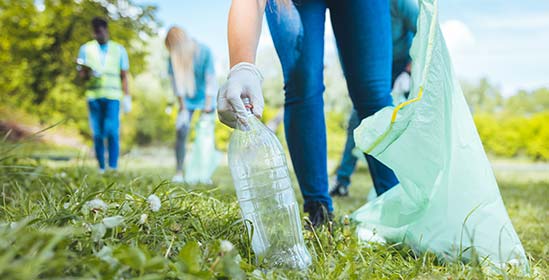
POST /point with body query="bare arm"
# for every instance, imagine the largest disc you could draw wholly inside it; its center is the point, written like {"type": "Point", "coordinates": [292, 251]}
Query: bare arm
{"type": "Point", "coordinates": [244, 28]}
{"type": "Point", "coordinates": [124, 78]}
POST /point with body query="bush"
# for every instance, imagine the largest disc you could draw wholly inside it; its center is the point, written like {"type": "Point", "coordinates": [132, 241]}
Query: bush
{"type": "Point", "coordinates": [510, 135]}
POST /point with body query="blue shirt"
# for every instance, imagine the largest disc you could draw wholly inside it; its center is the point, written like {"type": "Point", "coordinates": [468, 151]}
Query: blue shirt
{"type": "Point", "coordinates": [103, 49]}
{"type": "Point", "coordinates": [404, 15]}
{"type": "Point", "coordinates": [203, 68]}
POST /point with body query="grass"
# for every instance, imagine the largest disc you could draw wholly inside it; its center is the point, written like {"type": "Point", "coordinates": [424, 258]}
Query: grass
{"type": "Point", "coordinates": [48, 231]}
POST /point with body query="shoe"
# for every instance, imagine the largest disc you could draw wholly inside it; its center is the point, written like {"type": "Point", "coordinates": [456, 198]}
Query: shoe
{"type": "Point", "coordinates": [178, 178]}
{"type": "Point", "coordinates": [318, 215]}
{"type": "Point", "coordinates": [340, 190]}
{"type": "Point", "coordinates": [101, 171]}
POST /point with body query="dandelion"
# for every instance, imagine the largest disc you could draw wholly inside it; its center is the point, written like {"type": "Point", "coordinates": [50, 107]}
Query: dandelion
{"type": "Point", "coordinates": [95, 205]}
{"type": "Point", "coordinates": [154, 202]}
{"type": "Point", "coordinates": [143, 218]}
{"type": "Point", "coordinates": [226, 246]}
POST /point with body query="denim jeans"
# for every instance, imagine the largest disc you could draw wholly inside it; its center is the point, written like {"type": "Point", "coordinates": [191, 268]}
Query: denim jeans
{"type": "Point", "coordinates": [105, 123]}
{"type": "Point", "coordinates": [362, 30]}
{"type": "Point", "coordinates": [348, 160]}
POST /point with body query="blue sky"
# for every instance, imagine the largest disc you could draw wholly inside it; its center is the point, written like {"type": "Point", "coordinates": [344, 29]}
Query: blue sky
{"type": "Point", "coordinates": [503, 40]}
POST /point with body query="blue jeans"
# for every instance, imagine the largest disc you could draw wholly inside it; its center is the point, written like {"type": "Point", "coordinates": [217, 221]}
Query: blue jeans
{"type": "Point", "coordinates": [363, 34]}
{"type": "Point", "coordinates": [348, 160]}
{"type": "Point", "coordinates": [105, 123]}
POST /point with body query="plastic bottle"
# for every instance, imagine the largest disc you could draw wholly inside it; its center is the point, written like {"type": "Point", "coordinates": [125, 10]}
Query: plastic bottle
{"type": "Point", "coordinates": [266, 197]}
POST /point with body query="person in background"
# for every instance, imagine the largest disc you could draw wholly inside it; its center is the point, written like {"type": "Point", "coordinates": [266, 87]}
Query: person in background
{"type": "Point", "coordinates": [362, 30]}
{"type": "Point", "coordinates": [191, 71]}
{"type": "Point", "coordinates": [401, 86]}
{"type": "Point", "coordinates": [103, 65]}
{"type": "Point", "coordinates": [404, 15]}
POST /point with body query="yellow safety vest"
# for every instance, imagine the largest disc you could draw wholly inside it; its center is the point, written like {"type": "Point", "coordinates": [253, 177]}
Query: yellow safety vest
{"type": "Point", "coordinates": [108, 83]}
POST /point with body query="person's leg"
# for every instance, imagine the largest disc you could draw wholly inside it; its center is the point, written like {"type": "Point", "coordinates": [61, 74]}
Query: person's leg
{"type": "Point", "coordinates": [348, 160]}
{"type": "Point", "coordinates": [96, 125]}
{"type": "Point", "coordinates": [180, 143]}
{"type": "Point", "coordinates": [363, 33]}
{"type": "Point", "coordinates": [112, 130]}
{"type": "Point", "coordinates": [298, 36]}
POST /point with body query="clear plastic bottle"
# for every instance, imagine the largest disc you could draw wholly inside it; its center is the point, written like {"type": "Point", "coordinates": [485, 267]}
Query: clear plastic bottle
{"type": "Point", "coordinates": [266, 197]}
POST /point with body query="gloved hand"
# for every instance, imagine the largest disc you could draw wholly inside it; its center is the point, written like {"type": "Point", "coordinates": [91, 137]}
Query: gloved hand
{"type": "Point", "coordinates": [182, 119]}
{"type": "Point", "coordinates": [127, 103]}
{"type": "Point", "coordinates": [244, 80]}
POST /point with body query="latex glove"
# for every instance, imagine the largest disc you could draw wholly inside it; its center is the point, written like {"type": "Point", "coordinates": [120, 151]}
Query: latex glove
{"type": "Point", "coordinates": [182, 119]}
{"type": "Point", "coordinates": [244, 80]}
{"type": "Point", "coordinates": [127, 103]}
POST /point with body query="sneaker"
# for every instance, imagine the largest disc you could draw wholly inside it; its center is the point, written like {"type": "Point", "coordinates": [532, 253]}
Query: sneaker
{"type": "Point", "coordinates": [340, 190]}
{"type": "Point", "coordinates": [318, 215]}
{"type": "Point", "coordinates": [178, 178]}
{"type": "Point", "coordinates": [101, 171]}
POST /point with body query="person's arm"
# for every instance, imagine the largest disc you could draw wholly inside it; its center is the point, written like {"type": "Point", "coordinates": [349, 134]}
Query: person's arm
{"type": "Point", "coordinates": [244, 29]}
{"type": "Point", "coordinates": [124, 78]}
{"type": "Point", "coordinates": [83, 72]}
{"type": "Point", "coordinates": [211, 82]}
{"type": "Point", "coordinates": [124, 68]}
{"type": "Point", "coordinates": [178, 95]}
{"type": "Point", "coordinates": [244, 80]}
{"type": "Point", "coordinates": [181, 102]}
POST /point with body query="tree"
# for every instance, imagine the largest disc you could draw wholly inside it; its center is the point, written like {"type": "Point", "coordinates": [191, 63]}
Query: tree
{"type": "Point", "coordinates": [482, 97]}
{"type": "Point", "coordinates": [38, 46]}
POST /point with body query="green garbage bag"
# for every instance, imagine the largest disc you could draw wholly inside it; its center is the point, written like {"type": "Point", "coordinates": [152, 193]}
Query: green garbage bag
{"type": "Point", "coordinates": [203, 158]}
{"type": "Point", "coordinates": [448, 201]}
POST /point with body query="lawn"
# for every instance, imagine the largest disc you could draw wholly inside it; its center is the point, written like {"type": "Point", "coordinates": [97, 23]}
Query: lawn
{"type": "Point", "coordinates": [54, 225]}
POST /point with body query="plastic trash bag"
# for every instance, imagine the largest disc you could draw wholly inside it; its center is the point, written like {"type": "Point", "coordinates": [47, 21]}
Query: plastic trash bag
{"type": "Point", "coordinates": [203, 158]}
{"type": "Point", "coordinates": [448, 201]}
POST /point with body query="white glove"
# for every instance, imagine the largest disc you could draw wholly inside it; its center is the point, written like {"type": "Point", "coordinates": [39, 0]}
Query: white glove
{"type": "Point", "coordinates": [127, 103]}
{"type": "Point", "coordinates": [244, 80]}
{"type": "Point", "coordinates": [182, 119]}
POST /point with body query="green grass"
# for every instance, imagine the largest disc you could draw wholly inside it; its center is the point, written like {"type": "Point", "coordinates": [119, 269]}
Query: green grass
{"type": "Point", "coordinates": [46, 231]}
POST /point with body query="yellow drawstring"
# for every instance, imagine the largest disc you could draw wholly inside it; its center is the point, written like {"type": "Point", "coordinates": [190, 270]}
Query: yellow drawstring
{"type": "Point", "coordinates": [401, 105]}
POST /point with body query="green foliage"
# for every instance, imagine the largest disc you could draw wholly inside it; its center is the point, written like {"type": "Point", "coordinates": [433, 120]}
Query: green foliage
{"type": "Point", "coordinates": [525, 103]}
{"type": "Point", "coordinates": [511, 135]}
{"type": "Point", "coordinates": [38, 49]}
{"type": "Point", "coordinates": [482, 97]}
{"type": "Point", "coordinates": [511, 127]}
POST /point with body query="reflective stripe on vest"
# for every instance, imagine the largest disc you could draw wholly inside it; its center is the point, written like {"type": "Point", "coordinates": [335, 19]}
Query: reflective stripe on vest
{"type": "Point", "coordinates": [108, 84]}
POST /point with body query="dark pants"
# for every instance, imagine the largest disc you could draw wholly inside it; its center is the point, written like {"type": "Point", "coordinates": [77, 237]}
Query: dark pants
{"type": "Point", "coordinates": [105, 123]}
{"type": "Point", "coordinates": [181, 141]}
{"type": "Point", "coordinates": [348, 160]}
{"type": "Point", "coordinates": [363, 34]}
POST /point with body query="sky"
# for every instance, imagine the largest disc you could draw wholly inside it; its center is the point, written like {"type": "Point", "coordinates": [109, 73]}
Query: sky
{"type": "Point", "coordinates": [506, 41]}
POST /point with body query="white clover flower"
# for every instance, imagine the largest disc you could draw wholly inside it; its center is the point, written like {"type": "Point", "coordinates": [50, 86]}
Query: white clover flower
{"type": "Point", "coordinates": [143, 219]}
{"type": "Point", "coordinates": [96, 205]}
{"type": "Point", "coordinates": [66, 205]}
{"type": "Point", "coordinates": [154, 202]}
{"type": "Point", "coordinates": [226, 246]}
{"type": "Point", "coordinates": [114, 221]}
